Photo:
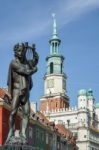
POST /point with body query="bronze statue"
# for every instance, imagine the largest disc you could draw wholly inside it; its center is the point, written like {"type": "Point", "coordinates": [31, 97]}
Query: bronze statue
{"type": "Point", "coordinates": [19, 86]}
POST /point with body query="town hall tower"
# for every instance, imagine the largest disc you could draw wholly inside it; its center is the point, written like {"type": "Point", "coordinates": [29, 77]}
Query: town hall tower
{"type": "Point", "coordinates": [55, 93]}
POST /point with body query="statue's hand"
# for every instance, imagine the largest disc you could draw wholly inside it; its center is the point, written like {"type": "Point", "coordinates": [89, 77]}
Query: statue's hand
{"type": "Point", "coordinates": [31, 71]}
{"type": "Point", "coordinates": [30, 63]}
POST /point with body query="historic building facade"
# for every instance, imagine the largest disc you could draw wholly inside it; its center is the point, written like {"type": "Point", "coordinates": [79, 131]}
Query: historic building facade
{"type": "Point", "coordinates": [42, 134]}
{"type": "Point", "coordinates": [83, 120]}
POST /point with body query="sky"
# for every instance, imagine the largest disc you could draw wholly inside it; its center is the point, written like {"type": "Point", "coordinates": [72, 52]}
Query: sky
{"type": "Point", "coordinates": [77, 27]}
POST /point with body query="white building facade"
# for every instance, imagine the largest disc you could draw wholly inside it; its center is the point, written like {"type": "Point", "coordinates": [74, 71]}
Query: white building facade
{"type": "Point", "coordinates": [83, 120]}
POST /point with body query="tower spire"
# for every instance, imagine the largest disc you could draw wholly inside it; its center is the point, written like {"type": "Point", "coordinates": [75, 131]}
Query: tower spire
{"type": "Point", "coordinates": [55, 41]}
{"type": "Point", "coordinates": [54, 26]}
{"type": "Point", "coordinates": [55, 96]}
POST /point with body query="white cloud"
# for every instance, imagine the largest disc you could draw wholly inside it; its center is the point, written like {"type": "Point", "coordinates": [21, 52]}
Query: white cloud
{"type": "Point", "coordinates": [66, 11]}
{"type": "Point", "coordinates": [25, 32]}
{"type": "Point", "coordinates": [72, 9]}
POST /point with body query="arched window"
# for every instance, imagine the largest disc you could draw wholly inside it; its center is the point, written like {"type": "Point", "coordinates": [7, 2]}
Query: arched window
{"type": "Point", "coordinates": [51, 67]}
{"type": "Point", "coordinates": [61, 68]}
{"type": "Point", "coordinates": [55, 47]}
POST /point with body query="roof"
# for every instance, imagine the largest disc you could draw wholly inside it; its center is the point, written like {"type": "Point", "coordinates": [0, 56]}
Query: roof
{"type": "Point", "coordinates": [82, 92]}
{"type": "Point", "coordinates": [42, 117]}
{"type": "Point", "coordinates": [87, 93]}
{"type": "Point", "coordinates": [66, 133]}
{"type": "Point", "coordinates": [3, 93]}
{"type": "Point", "coordinates": [90, 94]}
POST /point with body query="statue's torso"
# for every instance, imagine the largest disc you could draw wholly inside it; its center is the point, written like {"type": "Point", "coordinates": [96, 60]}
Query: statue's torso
{"type": "Point", "coordinates": [19, 81]}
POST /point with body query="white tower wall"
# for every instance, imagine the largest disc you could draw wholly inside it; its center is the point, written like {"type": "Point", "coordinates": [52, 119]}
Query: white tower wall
{"type": "Point", "coordinates": [82, 102]}
{"type": "Point", "coordinates": [54, 84]}
{"type": "Point", "coordinates": [97, 116]}
{"type": "Point", "coordinates": [82, 118]}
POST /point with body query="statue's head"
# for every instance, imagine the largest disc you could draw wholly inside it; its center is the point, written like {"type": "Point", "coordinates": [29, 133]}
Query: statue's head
{"type": "Point", "coordinates": [19, 50]}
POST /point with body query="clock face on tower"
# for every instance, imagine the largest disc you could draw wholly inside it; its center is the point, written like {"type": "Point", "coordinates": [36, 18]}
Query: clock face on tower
{"type": "Point", "coordinates": [50, 83]}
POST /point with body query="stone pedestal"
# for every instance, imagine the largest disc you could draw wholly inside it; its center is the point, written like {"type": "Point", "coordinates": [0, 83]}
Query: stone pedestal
{"type": "Point", "coordinates": [17, 147]}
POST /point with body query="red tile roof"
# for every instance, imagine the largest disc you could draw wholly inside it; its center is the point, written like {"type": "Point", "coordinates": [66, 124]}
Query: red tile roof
{"type": "Point", "coordinates": [4, 92]}
{"type": "Point", "coordinates": [42, 117]}
{"type": "Point", "coordinates": [67, 134]}
{"type": "Point", "coordinates": [61, 128]}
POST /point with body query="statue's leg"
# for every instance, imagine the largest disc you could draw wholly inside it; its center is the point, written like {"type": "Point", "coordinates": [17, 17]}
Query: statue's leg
{"type": "Point", "coordinates": [25, 119]}
{"type": "Point", "coordinates": [15, 105]}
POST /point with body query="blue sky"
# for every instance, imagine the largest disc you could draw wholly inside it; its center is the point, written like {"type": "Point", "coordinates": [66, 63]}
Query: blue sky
{"type": "Point", "coordinates": [78, 28]}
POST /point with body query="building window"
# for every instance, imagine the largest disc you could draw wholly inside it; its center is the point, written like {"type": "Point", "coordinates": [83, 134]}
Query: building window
{"type": "Point", "coordinates": [37, 133]}
{"type": "Point", "coordinates": [30, 132]}
{"type": "Point", "coordinates": [42, 136]}
{"type": "Point", "coordinates": [47, 139]}
{"type": "Point", "coordinates": [61, 68]}
{"type": "Point", "coordinates": [55, 47]}
{"type": "Point", "coordinates": [84, 136]}
{"type": "Point", "coordinates": [51, 67]}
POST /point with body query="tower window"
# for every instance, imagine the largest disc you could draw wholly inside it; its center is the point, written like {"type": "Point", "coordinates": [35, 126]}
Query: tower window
{"type": "Point", "coordinates": [61, 68]}
{"type": "Point", "coordinates": [52, 47]}
{"type": "Point", "coordinates": [55, 47]}
{"type": "Point", "coordinates": [51, 67]}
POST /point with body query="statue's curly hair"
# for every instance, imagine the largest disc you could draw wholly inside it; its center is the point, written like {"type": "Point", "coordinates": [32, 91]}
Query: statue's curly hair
{"type": "Point", "coordinates": [16, 48]}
